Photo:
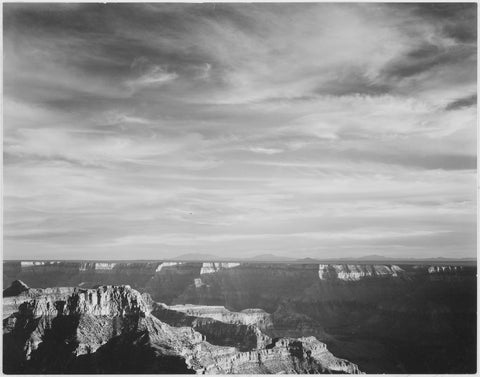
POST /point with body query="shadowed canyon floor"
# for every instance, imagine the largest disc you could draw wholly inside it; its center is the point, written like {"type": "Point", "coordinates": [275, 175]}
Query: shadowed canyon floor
{"type": "Point", "coordinates": [181, 317]}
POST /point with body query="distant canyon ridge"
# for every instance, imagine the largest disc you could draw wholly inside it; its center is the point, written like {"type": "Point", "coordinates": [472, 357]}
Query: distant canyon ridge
{"type": "Point", "coordinates": [378, 317]}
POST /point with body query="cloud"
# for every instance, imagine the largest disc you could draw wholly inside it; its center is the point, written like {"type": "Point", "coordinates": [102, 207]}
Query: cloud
{"type": "Point", "coordinates": [462, 102]}
{"type": "Point", "coordinates": [238, 128]}
{"type": "Point", "coordinates": [150, 75]}
{"type": "Point", "coordinates": [263, 150]}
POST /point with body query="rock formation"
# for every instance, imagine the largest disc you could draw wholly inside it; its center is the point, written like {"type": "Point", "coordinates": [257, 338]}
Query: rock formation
{"type": "Point", "coordinates": [352, 272]}
{"type": "Point", "coordinates": [212, 267]}
{"type": "Point", "coordinates": [167, 264]}
{"type": "Point", "coordinates": [243, 330]}
{"type": "Point", "coordinates": [443, 269]}
{"type": "Point", "coordinates": [15, 289]}
{"type": "Point", "coordinates": [384, 323]}
{"type": "Point", "coordinates": [111, 329]}
{"type": "Point", "coordinates": [256, 317]}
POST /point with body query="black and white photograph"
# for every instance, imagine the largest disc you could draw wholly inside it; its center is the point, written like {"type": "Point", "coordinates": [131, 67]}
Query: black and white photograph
{"type": "Point", "coordinates": [239, 188]}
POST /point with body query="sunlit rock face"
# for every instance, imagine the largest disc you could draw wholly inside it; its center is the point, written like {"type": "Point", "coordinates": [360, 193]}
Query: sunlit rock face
{"type": "Point", "coordinates": [104, 266]}
{"type": "Point", "coordinates": [27, 264]}
{"type": "Point", "coordinates": [106, 301]}
{"type": "Point", "coordinates": [198, 283]}
{"type": "Point", "coordinates": [242, 330]}
{"type": "Point", "coordinates": [38, 301]}
{"type": "Point", "coordinates": [443, 269]}
{"type": "Point", "coordinates": [256, 317]}
{"type": "Point", "coordinates": [353, 272]}
{"type": "Point", "coordinates": [396, 269]}
{"type": "Point", "coordinates": [167, 264]}
{"type": "Point", "coordinates": [98, 266]}
{"type": "Point", "coordinates": [53, 328]}
{"type": "Point", "coordinates": [111, 330]}
{"type": "Point", "coordinates": [308, 356]}
{"type": "Point", "coordinates": [246, 324]}
{"type": "Point", "coordinates": [212, 267]}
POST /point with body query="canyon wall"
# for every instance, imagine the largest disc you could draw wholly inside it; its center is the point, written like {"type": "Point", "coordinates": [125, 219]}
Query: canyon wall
{"type": "Point", "coordinates": [111, 329]}
{"type": "Point", "coordinates": [386, 318]}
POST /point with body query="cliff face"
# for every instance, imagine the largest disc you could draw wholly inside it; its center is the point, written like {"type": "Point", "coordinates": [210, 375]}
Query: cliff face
{"type": "Point", "coordinates": [257, 317]}
{"type": "Point", "coordinates": [352, 272]}
{"type": "Point", "coordinates": [285, 356]}
{"type": "Point", "coordinates": [212, 267]}
{"type": "Point", "coordinates": [244, 330]}
{"type": "Point", "coordinates": [103, 301]}
{"type": "Point", "coordinates": [111, 329]}
{"type": "Point", "coordinates": [41, 300]}
{"type": "Point", "coordinates": [426, 310]}
{"type": "Point", "coordinates": [196, 283]}
{"type": "Point", "coordinates": [386, 318]}
{"type": "Point", "coordinates": [15, 289]}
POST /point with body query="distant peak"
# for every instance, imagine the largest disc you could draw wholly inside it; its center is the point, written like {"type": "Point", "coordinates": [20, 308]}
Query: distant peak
{"type": "Point", "coordinates": [374, 257]}
{"type": "Point", "coordinates": [269, 257]}
{"type": "Point", "coordinates": [197, 257]}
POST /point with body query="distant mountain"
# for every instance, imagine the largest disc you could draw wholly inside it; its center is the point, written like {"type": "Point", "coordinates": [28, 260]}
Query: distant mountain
{"type": "Point", "coordinates": [269, 258]}
{"type": "Point", "coordinates": [374, 257]}
{"type": "Point", "coordinates": [382, 258]}
{"type": "Point", "coordinates": [199, 257]}
{"type": "Point", "coordinates": [464, 259]}
{"type": "Point", "coordinates": [308, 260]}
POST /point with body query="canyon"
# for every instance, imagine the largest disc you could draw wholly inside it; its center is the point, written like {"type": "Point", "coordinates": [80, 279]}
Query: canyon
{"type": "Point", "coordinates": [352, 317]}
{"type": "Point", "coordinates": [114, 329]}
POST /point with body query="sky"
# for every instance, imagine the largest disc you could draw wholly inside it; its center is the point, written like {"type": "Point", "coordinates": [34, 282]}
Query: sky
{"type": "Point", "coordinates": [148, 131]}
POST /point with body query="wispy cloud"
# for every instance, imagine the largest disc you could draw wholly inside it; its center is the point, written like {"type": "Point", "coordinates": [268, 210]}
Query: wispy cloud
{"type": "Point", "coordinates": [149, 75]}
{"type": "Point", "coordinates": [320, 129]}
{"type": "Point", "coordinates": [462, 102]}
{"type": "Point", "coordinates": [263, 150]}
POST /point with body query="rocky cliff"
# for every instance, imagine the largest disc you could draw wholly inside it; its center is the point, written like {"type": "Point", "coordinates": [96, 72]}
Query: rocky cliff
{"type": "Point", "coordinates": [354, 272]}
{"type": "Point", "coordinates": [243, 330]}
{"type": "Point", "coordinates": [17, 288]}
{"type": "Point", "coordinates": [257, 317]}
{"type": "Point", "coordinates": [111, 329]}
{"type": "Point", "coordinates": [385, 318]}
{"type": "Point", "coordinates": [212, 267]}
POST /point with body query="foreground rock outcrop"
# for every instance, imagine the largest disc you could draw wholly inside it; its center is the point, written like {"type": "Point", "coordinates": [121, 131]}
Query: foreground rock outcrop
{"type": "Point", "coordinates": [15, 289]}
{"type": "Point", "coordinates": [115, 329]}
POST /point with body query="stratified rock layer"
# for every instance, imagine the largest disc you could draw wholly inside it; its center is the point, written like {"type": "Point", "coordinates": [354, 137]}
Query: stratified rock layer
{"type": "Point", "coordinates": [354, 272]}
{"type": "Point", "coordinates": [212, 267]}
{"type": "Point", "coordinates": [256, 317]}
{"type": "Point", "coordinates": [418, 321]}
{"type": "Point", "coordinates": [111, 330]}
